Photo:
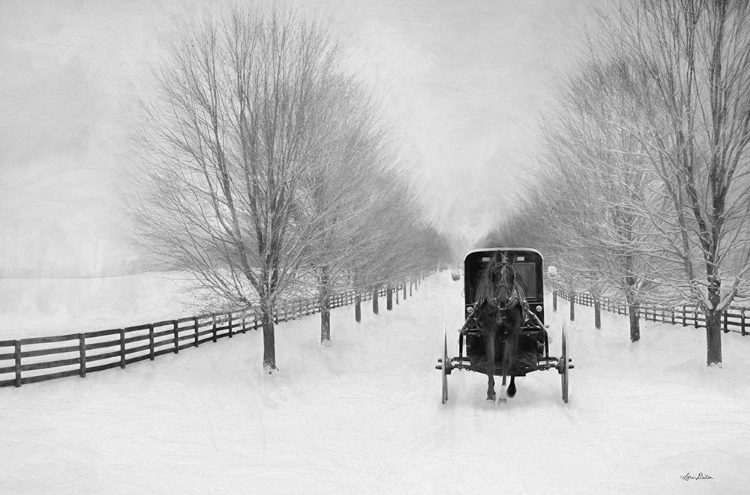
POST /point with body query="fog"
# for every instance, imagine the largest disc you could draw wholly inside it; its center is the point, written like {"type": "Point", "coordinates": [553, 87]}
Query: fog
{"type": "Point", "coordinates": [462, 85]}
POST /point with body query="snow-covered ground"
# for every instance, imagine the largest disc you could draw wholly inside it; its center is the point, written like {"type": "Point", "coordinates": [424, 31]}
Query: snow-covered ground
{"type": "Point", "coordinates": [364, 415]}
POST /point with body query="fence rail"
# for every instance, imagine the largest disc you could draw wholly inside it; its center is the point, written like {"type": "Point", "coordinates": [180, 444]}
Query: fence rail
{"type": "Point", "coordinates": [734, 318]}
{"type": "Point", "coordinates": [39, 359]}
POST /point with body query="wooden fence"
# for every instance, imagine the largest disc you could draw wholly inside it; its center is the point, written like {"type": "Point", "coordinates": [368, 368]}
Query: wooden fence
{"type": "Point", "coordinates": [38, 359]}
{"type": "Point", "coordinates": [733, 320]}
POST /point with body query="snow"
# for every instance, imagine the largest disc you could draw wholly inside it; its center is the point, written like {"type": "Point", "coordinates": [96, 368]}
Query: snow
{"type": "Point", "coordinates": [40, 307]}
{"type": "Point", "coordinates": [364, 415]}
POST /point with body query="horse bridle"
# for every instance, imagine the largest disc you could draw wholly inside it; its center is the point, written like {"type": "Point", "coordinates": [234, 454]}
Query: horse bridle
{"type": "Point", "coordinates": [512, 296]}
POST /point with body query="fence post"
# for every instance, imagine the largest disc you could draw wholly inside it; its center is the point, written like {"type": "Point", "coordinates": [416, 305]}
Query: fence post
{"type": "Point", "coordinates": [726, 323]}
{"type": "Point", "coordinates": [404, 291]}
{"type": "Point", "coordinates": [176, 337]}
{"type": "Point", "coordinates": [151, 342]}
{"type": "Point", "coordinates": [213, 317]}
{"type": "Point", "coordinates": [17, 356]}
{"type": "Point", "coordinates": [231, 332]}
{"type": "Point", "coordinates": [122, 348]}
{"type": "Point", "coordinates": [696, 317]}
{"type": "Point", "coordinates": [82, 354]}
{"type": "Point", "coordinates": [375, 305]}
{"type": "Point", "coordinates": [742, 322]}
{"type": "Point", "coordinates": [195, 327]}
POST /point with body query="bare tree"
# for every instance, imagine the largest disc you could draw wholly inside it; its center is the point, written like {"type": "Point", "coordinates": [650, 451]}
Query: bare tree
{"type": "Point", "coordinates": [583, 209]}
{"type": "Point", "coordinates": [397, 242]}
{"type": "Point", "coordinates": [351, 150]}
{"type": "Point", "coordinates": [621, 253]}
{"type": "Point", "coordinates": [696, 56]}
{"type": "Point", "coordinates": [227, 145]}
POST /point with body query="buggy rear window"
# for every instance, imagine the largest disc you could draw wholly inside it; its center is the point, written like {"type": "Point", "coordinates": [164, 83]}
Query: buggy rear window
{"type": "Point", "coordinates": [526, 277]}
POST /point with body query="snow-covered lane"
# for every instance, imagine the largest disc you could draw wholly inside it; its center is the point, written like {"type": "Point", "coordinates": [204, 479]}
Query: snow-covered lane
{"type": "Point", "coordinates": [364, 415]}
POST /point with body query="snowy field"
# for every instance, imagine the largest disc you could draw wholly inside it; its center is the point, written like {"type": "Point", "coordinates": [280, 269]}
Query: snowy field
{"type": "Point", "coordinates": [364, 415]}
{"type": "Point", "coordinates": [39, 307]}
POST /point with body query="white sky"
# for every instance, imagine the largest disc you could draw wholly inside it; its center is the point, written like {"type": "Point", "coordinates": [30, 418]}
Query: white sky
{"type": "Point", "coordinates": [463, 81]}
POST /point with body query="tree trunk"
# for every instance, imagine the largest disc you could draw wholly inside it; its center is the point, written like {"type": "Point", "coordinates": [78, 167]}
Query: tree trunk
{"type": "Point", "coordinates": [375, 294]}
{"type": "Point", "coordinates": [713, 317]}
{"type": "Point", "coordinates": [324, 301]}
{"type": "Point", "coordinates": [357, 307]}
{"type": "Point", "coordinates": [634, 313]}
{"type": "Point", "coordinates": [597, 313]}
{"type": "Point", "coordinates": [325, 321]}
{"type": "Point", "coordinates": [554, 300]}
{"type": "Point", "coordinates": [269, 345]}
{"type": "Point", "coordinates": [713, 337]}
{"type": "Point", "coordinates": [572, 306]}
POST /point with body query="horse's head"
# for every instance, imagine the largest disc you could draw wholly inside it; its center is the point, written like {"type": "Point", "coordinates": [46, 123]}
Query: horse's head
{"type": "Point", "coordinates": [502, 277]}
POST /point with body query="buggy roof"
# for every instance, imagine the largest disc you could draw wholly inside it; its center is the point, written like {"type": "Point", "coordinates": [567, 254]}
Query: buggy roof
{"type": "Point", "coordinates": [492, 250]}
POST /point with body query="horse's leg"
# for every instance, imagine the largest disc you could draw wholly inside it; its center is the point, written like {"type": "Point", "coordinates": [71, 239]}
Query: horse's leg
{"type": "Point", "coordinates": [503, 370]}
{"type": "Point", "coordinates": [509, 356]}
{"type": "Point", "coordinates": [490, 352]}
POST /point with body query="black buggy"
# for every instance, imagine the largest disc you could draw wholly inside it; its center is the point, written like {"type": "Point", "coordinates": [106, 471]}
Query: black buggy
{"type": "Point", "coordinates": [532, 353]}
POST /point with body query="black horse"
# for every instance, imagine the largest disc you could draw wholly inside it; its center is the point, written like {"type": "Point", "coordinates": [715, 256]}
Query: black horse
{"type": "Point", "coordinates": [500, 312]}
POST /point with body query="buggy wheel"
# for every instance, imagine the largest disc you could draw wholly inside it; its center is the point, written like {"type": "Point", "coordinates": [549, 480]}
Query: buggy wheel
{"type": "Point", "coordinates": [564, 365]}
{"type": "Point", "coordinates": [444, 367]}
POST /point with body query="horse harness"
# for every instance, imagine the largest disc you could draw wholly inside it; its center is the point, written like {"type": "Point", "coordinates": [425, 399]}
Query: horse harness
{"type": "Point", "coordinates": [515, 297]}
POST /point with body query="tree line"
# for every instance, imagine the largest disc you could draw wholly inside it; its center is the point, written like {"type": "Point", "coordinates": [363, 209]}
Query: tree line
{"type": "Point", "coordinates": [642, 189]}
{"type": "Point", "coordinates": [269, 171]}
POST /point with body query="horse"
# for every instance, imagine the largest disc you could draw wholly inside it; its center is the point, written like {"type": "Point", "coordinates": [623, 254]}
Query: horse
{"type": "Point", "coordinates": [500, 306]}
